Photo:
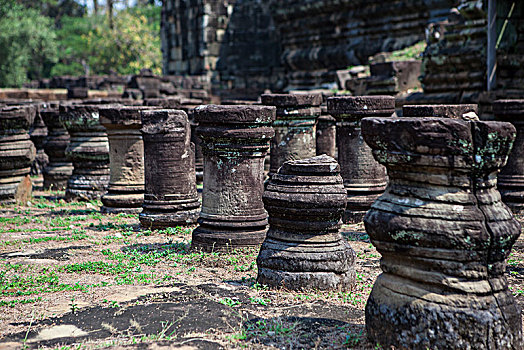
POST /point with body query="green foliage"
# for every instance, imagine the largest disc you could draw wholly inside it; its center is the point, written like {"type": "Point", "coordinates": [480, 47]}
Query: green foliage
{"type": "Point", "coordinates": [28, 44]}
{"type": "Point", "coordinates": [132, 44]}
{"type": "Point", "coordinates": [45, 38]}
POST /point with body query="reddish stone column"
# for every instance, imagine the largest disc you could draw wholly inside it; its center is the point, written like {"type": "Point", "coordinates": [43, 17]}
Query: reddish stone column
{"type": "Point", "coordinates": [303, 249]}
{"type": "Point", "coordinates": [59, 168]}
{"type": "Point", "coordinates": [294, 126]}
{"type": "Point", "coordinates": [126, 155]}
{"type": "Point", "coordinates": [88, 149]}
{"type": "Point", "coordinates": [235, 140]}
{"type": "Point", "coordinates": [364, 178]}
{"type": "Point", "coordinates": [511, 177]}
{"type": "Point", "coordinates": [444, 235]}
{"type": "Point", "coordinates": [17, 152]}
{"type": "Point", "coordinates": [171, 197]}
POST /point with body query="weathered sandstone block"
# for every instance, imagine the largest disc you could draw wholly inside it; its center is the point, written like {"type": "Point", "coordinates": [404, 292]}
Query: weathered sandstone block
{"type": "Point", "coordinates": [126, 156]}
{"type": "Point", "coordinates": [88, 149]}
{"type": "Point", "coordinates": [235, 140]}
{"type": "Point", "coordinates": [294, 127]}
{"type": "Point", "coordinates": [511, 177]}
{"type": "Point", "coordinates": [17, 152]}
{"type": "Point", "coordinates": [326, 134]}
{"type": "Point", "coordinates": [171, 197]}
{"type": "Point", "coordinates": [59, 168]}
{"type": "Point", "coordinates": [303, 249]}
{"type": "Point", "coordinates": [364, 178]}
{"type": "Point", "coordinates": [444, 235]}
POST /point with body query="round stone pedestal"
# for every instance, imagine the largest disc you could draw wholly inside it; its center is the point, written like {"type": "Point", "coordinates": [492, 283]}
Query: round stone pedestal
{"type": "Point", "coordinates": [235, 140]}
{"type": "Point", "coordinates": [326, 134]}
{"type": "Point", "coordinates": [364, 178]}
{"type": "Point", "coordinates": [88, 150]}
{"type": "Point", "coordinates": [511, 177]}
{"type": "Point", "coordinates": [444, 235]}
{"type": "Point", "coordinates": [303, 249]}
{"type": "Point", "coordinates": [171, 198]}
{"type": "Point", "coordinates": [17, 152]}
{"type": "Point", "coordinates": [294, 127]}
{"type": "Point", "coordinates": [126, 156]}
{"type": "Point", "coordinates": [59, 169]}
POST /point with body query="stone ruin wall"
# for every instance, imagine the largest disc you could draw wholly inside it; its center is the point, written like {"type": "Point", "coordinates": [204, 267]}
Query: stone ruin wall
{"type": "Point", "coordinates": [319, 37]}
{"type": "Point", "coordinates": [232, 42]}
{"type": "Point", "coordinates": [455, 68]}
{"type": "Point", "coordinates": [251, 45]}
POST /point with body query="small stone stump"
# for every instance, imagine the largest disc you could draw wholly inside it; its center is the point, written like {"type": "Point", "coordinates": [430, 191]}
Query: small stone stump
{"type": "Point", "coordinates": [59, 169]}
{"type": "Point", "coordinates": [171, 198]}
{"type": "Point", "coordinates": [303, 249]}
{"type": "Point", "coordinates": [17, 152]}
{"type": "Point", "coordinates": [511, 177]}
{"type": "Point", "coordinates": [326, 134]}
{"type": "Point", "coordinates": [294, 126]}
{"type": "Point", "coordinates": [126, 156]}
{"type": "Point", "coordinates": [235, 140]}
{"type": "Point", "coordinates": [444, 235]}
{"type": "Point", "coordinates": [364, 178]}
{"type": "Point", "coordinates": [88, 150]}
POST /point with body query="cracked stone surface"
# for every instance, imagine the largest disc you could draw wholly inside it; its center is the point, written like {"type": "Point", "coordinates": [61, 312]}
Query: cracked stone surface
{"type": "Point", "coordinates": [444, 235]}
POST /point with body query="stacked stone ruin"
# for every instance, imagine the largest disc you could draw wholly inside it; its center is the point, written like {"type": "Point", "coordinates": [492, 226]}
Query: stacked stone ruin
{"type": "Point", "coordinates": [511, 177]}
{"type": "Point", "coordinates": [88, 150]}
{"type": "Point", "coordinates": [296, 116]}
{"type": "Point", "coordinates": [443, 232]}
{"type": "Point", "coordinates": [126, 158]}
{"type": "Point", "coordinates": [235, 140]}
{"type": "Point", "coordinates": [17, 152]}
{"type": "Point", "coordinates": [364, 178]}
{"type": "Point", "coordinates": [59, 169]}
{"type": "Point", "coordinates": [303, 249]}
{"type": "Point", "coordinates": [171, 197]}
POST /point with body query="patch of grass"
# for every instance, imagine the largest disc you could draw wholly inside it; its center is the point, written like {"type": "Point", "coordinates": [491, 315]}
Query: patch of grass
{"type": "Point", "coordinates": [46, 281]}
{"type": "Point", "coordinates": [259, 301]}
{"type": "Point", "coordinates": [13, 303]}
{"type": "Point", "coordinates": [32, 240]}
{"type": "Point", "coordinates": [269, 328]}
{"type": "Point", "coordinates": [409, 53]}
{"type": "Point", "coordinates": [99, 267]}
{"type": "Point", "coordinates": [229, 302]}
{"type": "Point", "coordinates": [353, 339]}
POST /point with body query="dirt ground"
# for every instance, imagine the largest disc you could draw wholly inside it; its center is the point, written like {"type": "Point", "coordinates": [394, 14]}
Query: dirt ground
{"type": "Point", "coordinates": [73, 278]}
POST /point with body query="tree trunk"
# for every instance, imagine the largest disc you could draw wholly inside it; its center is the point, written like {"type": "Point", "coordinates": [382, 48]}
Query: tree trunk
{"type": "Point", "coordinates": [110, 13]}
{"type": "Point", "coordinates": [95, 7]}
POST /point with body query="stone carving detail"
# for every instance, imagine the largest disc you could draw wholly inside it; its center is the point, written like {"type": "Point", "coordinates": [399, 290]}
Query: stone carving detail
{"type": "Point", "coordinates": [88, 149]}
{"type": "Point", "coordinates": [364, 178]}
{"type": "Point", "coordinates": [126, 155]}
{"type": "Point", "coordinates": [303, 249]}
{"type": "Point", "coordinates": [171, 197]}
{"type": "Point", "coordinates": [235, 140]}
{"type": "Point", "coordinates": [294, 127]}
{"type": "Point", "coordinates": [59, 168]}
{"type": "Point", "coordinates": [444, 235]}
{"type": "Point", "coordinates": [17, 152]}
{"type": "Point", "coordinates": [511, 177]}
